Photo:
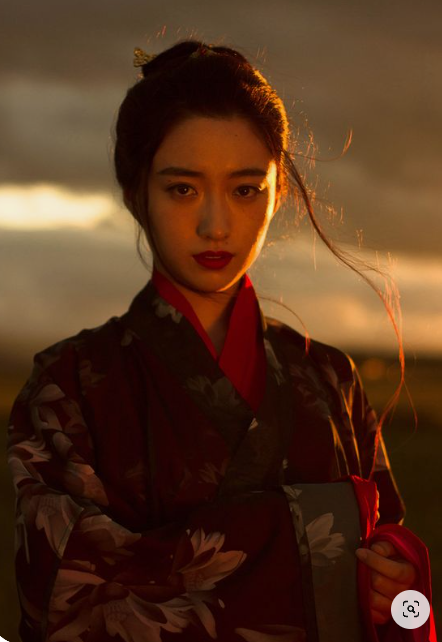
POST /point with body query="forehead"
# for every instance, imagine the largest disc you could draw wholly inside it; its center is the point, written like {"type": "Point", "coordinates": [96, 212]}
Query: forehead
{"type": "Point", "coordinates": [225, 143]}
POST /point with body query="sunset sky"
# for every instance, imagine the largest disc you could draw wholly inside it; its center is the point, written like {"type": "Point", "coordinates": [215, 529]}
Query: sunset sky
{"type": "Point", "coordinates": [67, 247]}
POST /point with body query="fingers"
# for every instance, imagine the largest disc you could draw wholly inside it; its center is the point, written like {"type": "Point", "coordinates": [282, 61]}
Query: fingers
{"type": "Point", "coordinates": [389, 577]}
{"type": "Point", "coordinates": [384, 586]}
{"type": "Point", "coordinates": [386, 549]}
{"type": "Point", "coordinates": [380, 607]}
{"type": "Point", "coordinates": [401, 571]}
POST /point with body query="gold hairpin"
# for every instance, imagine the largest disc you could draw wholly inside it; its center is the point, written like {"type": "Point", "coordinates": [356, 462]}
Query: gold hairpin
{"type": "Point", "coordinates": [141, 57]}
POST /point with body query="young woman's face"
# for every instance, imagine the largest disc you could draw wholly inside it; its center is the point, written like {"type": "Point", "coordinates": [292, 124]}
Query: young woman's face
{"type": "Point", "coordinates": [198, 202]}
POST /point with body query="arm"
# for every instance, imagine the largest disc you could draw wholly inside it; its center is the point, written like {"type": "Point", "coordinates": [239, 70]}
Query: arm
{"type": "Point", "coordinates": [80, 574]}
{"type": "Point", "coordinates": [84, 576]}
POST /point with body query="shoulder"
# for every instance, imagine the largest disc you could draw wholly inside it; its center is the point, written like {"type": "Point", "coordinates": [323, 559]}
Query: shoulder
{"type": "Point", "coordinates": [88, 339]}
{"type": "Point", "coordinates": [70, 359]}
{"type": "Point", "coordinates": [321, 354]}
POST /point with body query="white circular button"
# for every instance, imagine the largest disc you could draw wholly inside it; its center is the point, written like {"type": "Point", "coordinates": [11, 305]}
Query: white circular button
{"type": "Point", "coordinates": [410, 609]}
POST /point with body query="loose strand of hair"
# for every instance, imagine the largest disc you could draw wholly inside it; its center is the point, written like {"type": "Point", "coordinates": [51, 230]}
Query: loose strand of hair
{"type": "Point", "coordinates": [390, 298]}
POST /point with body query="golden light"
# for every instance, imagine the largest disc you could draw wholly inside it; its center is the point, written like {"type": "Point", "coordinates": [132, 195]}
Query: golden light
{"type": "Point", "coordinates": [46, 206]}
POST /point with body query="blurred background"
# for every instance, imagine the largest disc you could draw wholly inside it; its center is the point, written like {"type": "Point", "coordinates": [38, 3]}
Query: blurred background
{"type": "Point", "coordinates": [67, 246]}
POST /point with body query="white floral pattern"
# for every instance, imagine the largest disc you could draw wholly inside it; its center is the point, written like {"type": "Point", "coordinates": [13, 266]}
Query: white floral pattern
{"type": "Point", "coordinates": [118, 574]}
{"type": "Point", "coordinates": [164, 309]}
{"type": "Point", "coordinates": [211, 474]}
{"type": "Point", "coordinates": [54, 515]}
{"type": "Point", "coordinates": [220, 394]}
{"type": "Point", "coordinates": [309, 387]}
{"type": "Point", "coordinates": [293, 493]}
{"type": "Point", "coordinates": [203, 572]}
{"type": "Point", "coordinates": [88, 378]}
{"type": "Point", "coordinates": [128, 336]}
{"type": "Point", "coordinates": [136, 619]}
{"type": "Point", "coordinates": [325, 547]}
{"type": "Point", "coordinates": [22, 456]}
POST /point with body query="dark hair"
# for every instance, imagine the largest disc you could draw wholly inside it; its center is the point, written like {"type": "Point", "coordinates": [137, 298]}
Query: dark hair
{"type": "Point", "coordinates": [193, 78]}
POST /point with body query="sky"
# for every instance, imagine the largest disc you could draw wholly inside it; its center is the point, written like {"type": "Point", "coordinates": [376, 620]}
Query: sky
{"type": "Point", "coordinates": [67, 246]}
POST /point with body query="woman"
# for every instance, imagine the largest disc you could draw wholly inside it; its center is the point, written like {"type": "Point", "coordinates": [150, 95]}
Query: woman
{"type": "Point", "coordinates": [165, 461]}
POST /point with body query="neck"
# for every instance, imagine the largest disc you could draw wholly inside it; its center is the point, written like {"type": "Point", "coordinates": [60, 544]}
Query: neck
{"type": "Point", "coordinates": [212, 309]}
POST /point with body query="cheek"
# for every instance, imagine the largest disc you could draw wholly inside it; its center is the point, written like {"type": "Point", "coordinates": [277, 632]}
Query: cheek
{"type": "Point", "coordinates": [260, 241]}
{"type": "Point", "coordinates": [260, 224]}
{"type": "Point", "coordinates": [256, 236]}
{"type": "Point", "coordinates": [159, 219]}
{"type": "Point", "coordinates": [170, 235]}
{"type": "Point", "coordinates": [261, 228]}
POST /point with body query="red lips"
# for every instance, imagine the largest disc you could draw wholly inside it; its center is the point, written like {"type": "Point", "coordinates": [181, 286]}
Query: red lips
{"type": "Point", "coordinates": [213, 260]}
{"type": "Point", "coordinates": [213, 255]}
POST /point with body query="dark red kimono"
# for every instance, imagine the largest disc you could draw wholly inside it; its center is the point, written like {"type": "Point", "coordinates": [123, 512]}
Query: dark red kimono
{"type": "Point", "coordinates": [156, 501]}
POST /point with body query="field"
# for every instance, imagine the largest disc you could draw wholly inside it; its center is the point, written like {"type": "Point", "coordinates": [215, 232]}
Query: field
{"type": "Point", "coordinates": [414, 455]}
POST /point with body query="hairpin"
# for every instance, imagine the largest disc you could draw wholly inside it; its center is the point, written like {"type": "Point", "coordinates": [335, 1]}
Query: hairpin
{"type": "Point", "coordinates": [141, 57]}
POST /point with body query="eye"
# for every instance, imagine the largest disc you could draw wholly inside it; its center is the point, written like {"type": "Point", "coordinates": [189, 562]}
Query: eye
{"type": "Point", "coordinates": [256, 190]}
{"type": "Point", "coordinates": [180, 189]}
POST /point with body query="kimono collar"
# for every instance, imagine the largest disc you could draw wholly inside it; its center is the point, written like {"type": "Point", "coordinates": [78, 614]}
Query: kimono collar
{"type": "Point", "coordinates": [242, 358]}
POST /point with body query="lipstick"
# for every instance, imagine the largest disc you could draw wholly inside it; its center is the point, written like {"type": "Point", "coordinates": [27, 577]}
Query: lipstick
{"type": "Point", "coordinates": [213, 260]}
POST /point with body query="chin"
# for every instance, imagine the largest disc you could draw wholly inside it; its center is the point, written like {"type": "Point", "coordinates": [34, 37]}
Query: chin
{"type": "Point", "coordinates": [213, 281]}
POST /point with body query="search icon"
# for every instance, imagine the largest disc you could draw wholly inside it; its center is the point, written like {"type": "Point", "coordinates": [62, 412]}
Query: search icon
{"type": "Point", "coordinates": [410, 609]}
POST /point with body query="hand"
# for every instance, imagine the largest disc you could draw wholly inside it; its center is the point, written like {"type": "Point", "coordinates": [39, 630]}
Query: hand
{"type": "Point", "coordinates": [391, 575]}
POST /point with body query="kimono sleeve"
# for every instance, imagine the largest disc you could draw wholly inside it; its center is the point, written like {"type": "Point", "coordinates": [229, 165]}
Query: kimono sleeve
{"type": "Point", "coordinates": [80, 574]}
{"type": "Point", "coordinates": [376, 466]}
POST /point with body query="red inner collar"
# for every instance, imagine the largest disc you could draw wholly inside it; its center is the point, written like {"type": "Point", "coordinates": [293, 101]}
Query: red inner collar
{"type": "Point", "coordinates": [242, 358]}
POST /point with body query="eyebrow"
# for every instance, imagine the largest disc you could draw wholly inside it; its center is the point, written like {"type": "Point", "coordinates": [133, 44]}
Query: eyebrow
{"type": "Point", "coordinates": [182, 171]}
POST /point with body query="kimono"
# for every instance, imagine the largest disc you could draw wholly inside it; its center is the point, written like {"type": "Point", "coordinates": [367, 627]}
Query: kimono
{"type": "Point", "coordinates": [159, 499]}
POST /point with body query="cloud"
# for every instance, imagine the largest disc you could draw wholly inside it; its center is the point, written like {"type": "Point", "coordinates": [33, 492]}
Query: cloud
{"type": "Point", "coordinates": [57, 132]}
{"type": "Point", "coordinates": [48, 206]}
{"type": "Point", "coordinates": [61, 281]}
{"type": "Point", "coordinates": [338, 308]}
{"type": "Point", "coordinates": [393, 216]}
{"type": "Point", "coordinates": [373, 67]}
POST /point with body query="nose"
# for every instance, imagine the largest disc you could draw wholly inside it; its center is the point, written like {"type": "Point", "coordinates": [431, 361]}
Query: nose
{"type": "Point", "coordinates": [215, 218]}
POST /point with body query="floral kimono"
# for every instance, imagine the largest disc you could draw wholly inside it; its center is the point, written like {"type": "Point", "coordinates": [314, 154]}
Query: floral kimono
{"type": "Point", "coordinates": [159, 499]}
